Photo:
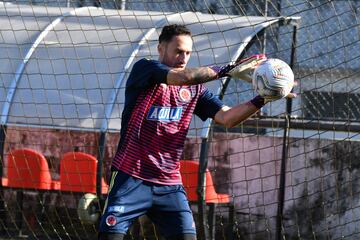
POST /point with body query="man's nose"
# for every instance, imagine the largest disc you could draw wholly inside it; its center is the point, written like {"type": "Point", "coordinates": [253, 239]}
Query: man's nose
{"type": "Point", "coordinates": [182, 57]}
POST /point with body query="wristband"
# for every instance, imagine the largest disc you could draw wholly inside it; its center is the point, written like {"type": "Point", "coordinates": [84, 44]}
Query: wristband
{"type": "Point", "coordinates": [258, 101]}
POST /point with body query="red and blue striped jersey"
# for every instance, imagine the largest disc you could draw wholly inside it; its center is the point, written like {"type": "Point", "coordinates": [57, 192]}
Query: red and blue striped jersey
{"type": "Point", "coordinates": [155, 122]}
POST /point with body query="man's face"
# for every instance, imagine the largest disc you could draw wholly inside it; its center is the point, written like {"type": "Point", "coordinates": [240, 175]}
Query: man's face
{"type": "Point", "coordinates": [176, 53]}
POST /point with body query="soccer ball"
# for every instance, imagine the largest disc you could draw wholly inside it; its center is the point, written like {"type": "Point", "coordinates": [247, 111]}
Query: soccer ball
{"type": "Point", "coordinates": [88, 209]}
{"type": "Point", "coordinates": [273, 79]}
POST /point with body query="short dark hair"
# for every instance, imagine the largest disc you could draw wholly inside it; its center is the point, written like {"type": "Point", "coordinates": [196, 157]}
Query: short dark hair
{"type": "Point", "coordinates": [169, 31]}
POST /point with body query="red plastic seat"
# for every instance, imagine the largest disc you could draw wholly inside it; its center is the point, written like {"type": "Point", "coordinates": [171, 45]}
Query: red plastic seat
{"type": "Point", "coordinates": [28, 168]}
{"type": "Point", "coordinates": [78, 173]}
{"type": "Point", "coordinates": [189, 174]}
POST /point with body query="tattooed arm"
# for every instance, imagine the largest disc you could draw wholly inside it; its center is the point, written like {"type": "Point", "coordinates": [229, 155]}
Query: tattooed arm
{"type": "Point", "coordinates": [190, 76]}
{"type": "Point", "coordinates": [239, 70]}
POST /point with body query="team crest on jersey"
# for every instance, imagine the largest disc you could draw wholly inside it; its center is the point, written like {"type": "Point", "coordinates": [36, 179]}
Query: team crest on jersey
{"type": "Point", "coordinates": [185, 94]}
{"type": "Point", "coordinates": [110, 220]}
{"type": "Point", "coordinates": [159, 113]}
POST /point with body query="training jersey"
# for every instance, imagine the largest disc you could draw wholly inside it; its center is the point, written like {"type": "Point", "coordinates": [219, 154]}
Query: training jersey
{"type": "Point", "coordinates": [155, 122]}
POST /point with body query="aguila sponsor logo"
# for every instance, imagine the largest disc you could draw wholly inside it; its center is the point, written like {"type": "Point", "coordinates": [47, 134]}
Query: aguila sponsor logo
{"type": "Point", "coordinates": [167, 114]}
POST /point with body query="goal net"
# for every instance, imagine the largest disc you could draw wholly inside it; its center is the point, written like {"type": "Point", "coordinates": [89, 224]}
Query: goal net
{"type": "Point", "coordinates": [289, 172]}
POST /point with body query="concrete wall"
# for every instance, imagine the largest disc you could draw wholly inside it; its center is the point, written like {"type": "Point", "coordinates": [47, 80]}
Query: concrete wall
{"type": "Point", "coordinates": [322, 183]}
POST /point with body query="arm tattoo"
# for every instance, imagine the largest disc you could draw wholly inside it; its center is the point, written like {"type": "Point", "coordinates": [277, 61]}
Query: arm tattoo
{"type": "Point", "coordinates": [192, 76]}
{"type": "Point", "coordinates": [201, 75]}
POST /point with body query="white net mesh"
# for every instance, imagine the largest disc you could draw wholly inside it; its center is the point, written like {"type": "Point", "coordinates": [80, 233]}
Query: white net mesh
{"type": "Point", "coordinates": [63, 68]}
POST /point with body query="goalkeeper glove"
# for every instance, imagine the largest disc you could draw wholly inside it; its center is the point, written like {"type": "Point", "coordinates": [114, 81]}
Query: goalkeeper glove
{"type": "Point", "coordinates": [241, 69]}
{"type": "Point", "coordinates": [259, 101]}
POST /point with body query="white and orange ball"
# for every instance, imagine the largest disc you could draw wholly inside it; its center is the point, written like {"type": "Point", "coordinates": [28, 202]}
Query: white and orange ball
{"type": "Point", "coordinates": [273, 78]}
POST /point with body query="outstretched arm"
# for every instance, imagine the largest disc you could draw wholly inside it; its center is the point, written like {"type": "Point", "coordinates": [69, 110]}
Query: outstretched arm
{"type": "Point", "coordinates": [232, 116]}
{"type": "Point", "coordinates": [191, 76]}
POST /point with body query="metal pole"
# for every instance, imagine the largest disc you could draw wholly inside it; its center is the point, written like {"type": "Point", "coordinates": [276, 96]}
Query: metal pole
{"type": "Point", "coordinates": [3, 214]}
{"type": "Point", "coordinates": [281, 192]}
{"type": "Point", "coordinates": [285, 152]}
{"type": "Point", "coordinates": [202, 218]}
{"type": "Point", "coordinates": [264, 36]}
{"type": "Point", "coordinates": [100, 157]}
{"type": "Point", "coordinates": [2, 148]}
{"type": "Point", "coordinates": [123, 5]}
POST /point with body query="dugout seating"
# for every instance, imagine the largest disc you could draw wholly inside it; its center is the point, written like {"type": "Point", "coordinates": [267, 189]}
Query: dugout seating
{"type": "Point", "coordinates": [189, 170]}
{"type": "Point", "coordinates": [78, 173]}
{"type": "Point", "coordinates": [28, 169]}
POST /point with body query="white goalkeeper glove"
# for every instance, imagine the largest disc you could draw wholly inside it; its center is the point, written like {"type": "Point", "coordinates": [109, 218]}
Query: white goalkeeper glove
{"type": "Point", "coordinates": [241, 69]}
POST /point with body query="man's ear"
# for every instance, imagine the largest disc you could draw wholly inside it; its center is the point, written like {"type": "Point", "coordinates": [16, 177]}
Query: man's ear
{"type": "Point", "coordinates": [160, 48]}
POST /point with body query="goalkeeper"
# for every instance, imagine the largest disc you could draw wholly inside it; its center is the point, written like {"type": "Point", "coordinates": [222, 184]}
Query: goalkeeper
{"type": "Point", "coordinates": [160, 98]}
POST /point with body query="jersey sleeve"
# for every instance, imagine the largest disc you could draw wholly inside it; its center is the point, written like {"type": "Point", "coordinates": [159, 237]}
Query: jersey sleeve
{"type": "Point", "coordinates": [146, 73]}
{"type": "Point", "coordinates": [208, 105]}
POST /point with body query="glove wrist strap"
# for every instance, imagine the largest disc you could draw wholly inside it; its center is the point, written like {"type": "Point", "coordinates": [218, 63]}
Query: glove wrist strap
{"type": "Point", "coordinates": [222, 71]}
{"type": "Point", "coordinates": [258, 101]}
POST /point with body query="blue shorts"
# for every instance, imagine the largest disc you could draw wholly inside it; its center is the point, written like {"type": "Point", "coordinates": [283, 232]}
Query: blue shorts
{"type": "Point", "coordinates": [129, 198]}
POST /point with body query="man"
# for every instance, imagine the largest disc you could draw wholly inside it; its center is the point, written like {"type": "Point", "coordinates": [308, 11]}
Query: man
{"type": "Point", "coordinates": [160, 98]}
